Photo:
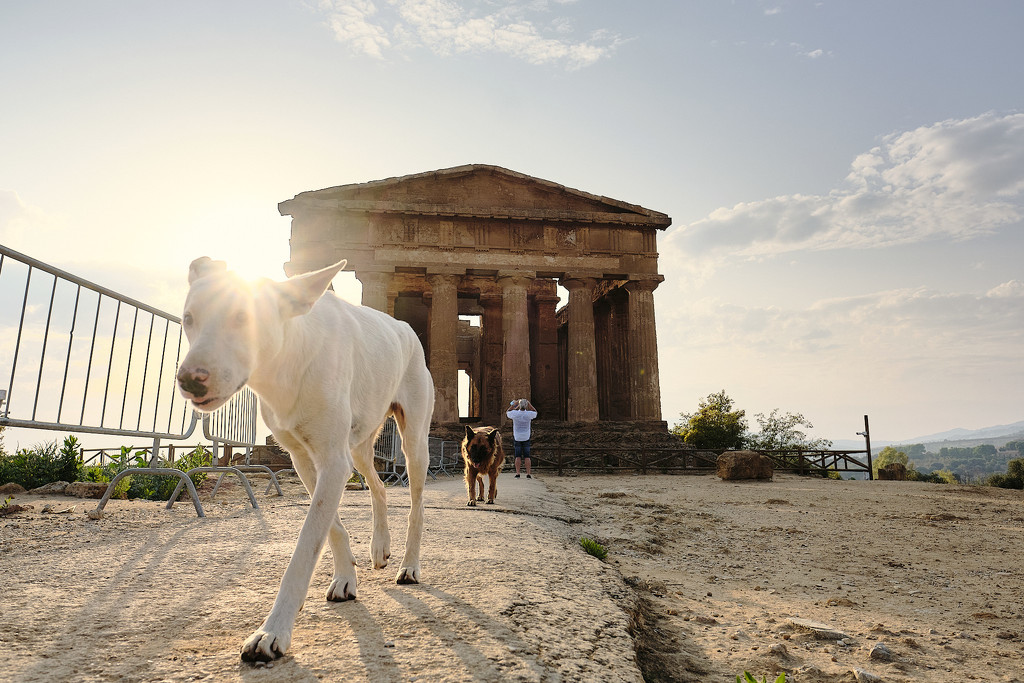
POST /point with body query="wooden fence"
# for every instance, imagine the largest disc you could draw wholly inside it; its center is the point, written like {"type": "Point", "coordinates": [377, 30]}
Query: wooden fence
{"type": "Point", "coordinates": [678, 460]}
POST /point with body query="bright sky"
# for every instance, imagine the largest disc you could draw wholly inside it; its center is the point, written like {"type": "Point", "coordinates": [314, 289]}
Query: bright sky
{"type": "Point", "coordinates": [846, 179]}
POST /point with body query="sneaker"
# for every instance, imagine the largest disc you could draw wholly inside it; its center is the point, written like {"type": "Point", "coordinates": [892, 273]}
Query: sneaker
{"type": "Point", "coordinates": [528, 476]}
{"type": "Point", "coordinates": [517, 476]}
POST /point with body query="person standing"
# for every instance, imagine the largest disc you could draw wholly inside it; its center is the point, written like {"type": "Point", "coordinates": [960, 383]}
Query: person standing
{"type": "Point", "coordinates": [521, 412]}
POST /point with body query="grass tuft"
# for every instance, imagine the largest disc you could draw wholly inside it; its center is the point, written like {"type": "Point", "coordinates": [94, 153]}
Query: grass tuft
{"type": "Point", "coordinates": [594, 548]}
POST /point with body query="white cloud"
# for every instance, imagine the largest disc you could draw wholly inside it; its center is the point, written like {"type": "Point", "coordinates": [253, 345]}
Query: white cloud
{"type": "Point", "coordinates": [892, 351]}
{"type": "Point", "coordinates": [449, 28]}
{"type": "Point", "coordinates": [1011, 289]}
{"type": "Point", "coordinates": [904, 323]}
{"type": "Point", "coordinates": [350, 22]}
{"type": "Point", "coordinates": [954, 180]}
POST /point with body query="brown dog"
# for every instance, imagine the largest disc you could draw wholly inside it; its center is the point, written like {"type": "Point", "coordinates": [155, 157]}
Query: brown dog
{"type": "Point", "coordinates": [482, 454]}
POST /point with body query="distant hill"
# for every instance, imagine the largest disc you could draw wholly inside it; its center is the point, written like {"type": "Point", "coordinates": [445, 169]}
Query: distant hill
{"type": "Point", "coordinates": [997, 435]}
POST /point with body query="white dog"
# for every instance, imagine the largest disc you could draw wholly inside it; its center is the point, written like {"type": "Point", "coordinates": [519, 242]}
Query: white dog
{"type": "Point", "coordinates": [328, 374]}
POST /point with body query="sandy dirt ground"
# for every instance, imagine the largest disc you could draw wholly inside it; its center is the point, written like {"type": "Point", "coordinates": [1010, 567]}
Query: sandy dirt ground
{"type": "Point", "coordinates": [731, 572]}
{"type": "Point", "coordinates": [704, 579]}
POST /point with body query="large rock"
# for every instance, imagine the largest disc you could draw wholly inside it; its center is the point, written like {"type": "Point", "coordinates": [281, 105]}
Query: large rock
{"type": "Point", "coordinates": [271, 455]}
{"type": "Point", "coordinates": [11, 489]}
{"type": "Point", "coordinates": [818, 630]}
{"type": "Point", "coordinates": [86, 489]}
{"type": "Point", "coordinates": [52, 487]}
{"type": "Point", "coordinates": [744, 465]}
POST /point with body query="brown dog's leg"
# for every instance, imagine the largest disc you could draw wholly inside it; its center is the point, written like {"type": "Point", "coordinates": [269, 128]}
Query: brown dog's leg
{"type": "Point", "coordinates": [480, 481]}
{"type": "Point", "coordinates": [470, 485]}
{"type": "Point", "coordinates": [492, 490]}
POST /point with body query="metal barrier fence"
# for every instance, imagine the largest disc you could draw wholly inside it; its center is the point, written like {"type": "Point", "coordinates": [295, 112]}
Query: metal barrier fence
{"type": "Point", "coordinates": [389, 459]}
{"type": "Point", "coordinates": [80, 357]}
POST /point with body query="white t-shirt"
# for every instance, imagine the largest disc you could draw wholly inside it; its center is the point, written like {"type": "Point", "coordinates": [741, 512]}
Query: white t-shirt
{"type": "Point", "coordinates": [521, 423]}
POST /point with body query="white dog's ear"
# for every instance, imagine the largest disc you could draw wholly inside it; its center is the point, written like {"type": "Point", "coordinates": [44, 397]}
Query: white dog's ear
{"type": "Point", "coordinates": [298, 294]}
{"type": "Point", "coordinates": [203, 266]}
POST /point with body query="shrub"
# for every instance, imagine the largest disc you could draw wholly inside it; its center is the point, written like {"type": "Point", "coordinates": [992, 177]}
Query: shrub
{"type": "Point", "coordinates": [159, 486]}
{"type": "Point", "coordinates": [1013, 479]}
{"type": "Point", "coordinates": [594, 548]}
{"type": "Point", "coordinates": [148, 486]}
{"type": "Point", "coordinates": [931, 478]}
{"type": "Point", "coordinates": [105, 474]}
{"type": "Point", "coordinates": [42, 464]}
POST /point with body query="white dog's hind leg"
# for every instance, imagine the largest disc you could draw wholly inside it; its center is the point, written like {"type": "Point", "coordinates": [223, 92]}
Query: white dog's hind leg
{"type": "Point", "coordinates": [380, 542]}
{"type": "Point", "coordinates": [271, 640]}
{"type": "Point", "coordinates": [416, 458]}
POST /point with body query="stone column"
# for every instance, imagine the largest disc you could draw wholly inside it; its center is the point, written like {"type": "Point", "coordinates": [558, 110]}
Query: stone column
{"type": "Point", "coordinates": [645, 384]}
{"type": "Point", "coordinates": [444, 362]}
{"type": "Point", "coordinates": [491, 410]}
{"type": "Point", "coordinates": [515, 327]}
{"type": "Point", "coordinates": [582, 350]}
{"type": "Point", "coordinates": [544, 354]}
{"type": "Point", "coordinates": [375, 289]}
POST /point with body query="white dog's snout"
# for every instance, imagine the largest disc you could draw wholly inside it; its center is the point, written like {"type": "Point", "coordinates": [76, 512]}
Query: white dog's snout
{"type": "Point", "coordinates": [194, 381]}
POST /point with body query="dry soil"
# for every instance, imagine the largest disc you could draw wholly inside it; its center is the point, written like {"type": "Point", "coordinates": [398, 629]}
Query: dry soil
{"type": "Point", "coordinates": [704, 579]}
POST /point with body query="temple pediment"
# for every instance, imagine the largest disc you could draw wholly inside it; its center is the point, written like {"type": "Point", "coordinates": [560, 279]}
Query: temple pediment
{"type": "Point", "coordinates": [476, 191]}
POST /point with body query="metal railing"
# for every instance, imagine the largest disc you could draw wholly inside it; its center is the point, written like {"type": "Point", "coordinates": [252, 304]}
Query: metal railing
{"type": "Point", "coordinates": [389, 459]}
{"type": "Point", "coordinates": [80, 357]}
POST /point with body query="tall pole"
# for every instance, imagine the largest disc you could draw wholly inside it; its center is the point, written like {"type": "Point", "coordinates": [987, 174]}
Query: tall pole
{"type": "Point", "coordinates": [867, 439]}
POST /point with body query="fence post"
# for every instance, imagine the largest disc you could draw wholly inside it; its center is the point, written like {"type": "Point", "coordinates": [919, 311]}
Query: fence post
{"type": "Point", "coordinates": [867, 444]}
{"type": "Point", "coordinates": [170, 453]}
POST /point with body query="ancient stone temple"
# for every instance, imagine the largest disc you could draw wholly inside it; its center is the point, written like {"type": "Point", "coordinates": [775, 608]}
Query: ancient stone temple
{"type": "Point", "coordinates": [470, 257]}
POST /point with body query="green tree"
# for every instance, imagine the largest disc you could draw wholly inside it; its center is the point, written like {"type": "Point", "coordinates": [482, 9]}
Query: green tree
{"type": "Point", "coordinates": [785, 432]}
{"type": "Point", "coordinates": [888, 456]}
{"type": "Point", "coordinates": [1014, 477]}
{"type": "Point", "coordinates": [915, 451]}
{"type": "Point", "coordinates": [715, 424]}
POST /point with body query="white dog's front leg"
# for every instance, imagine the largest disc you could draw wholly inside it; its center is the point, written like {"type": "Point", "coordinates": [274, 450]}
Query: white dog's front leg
{"type": "Point", "coordinates": [271, 640]}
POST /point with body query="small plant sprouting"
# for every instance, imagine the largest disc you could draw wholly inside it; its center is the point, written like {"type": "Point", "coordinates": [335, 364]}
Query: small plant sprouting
{"type": "Point", "coordinates": [747, 678]}
{"type": "Point", "coordinates": [594, 548]}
